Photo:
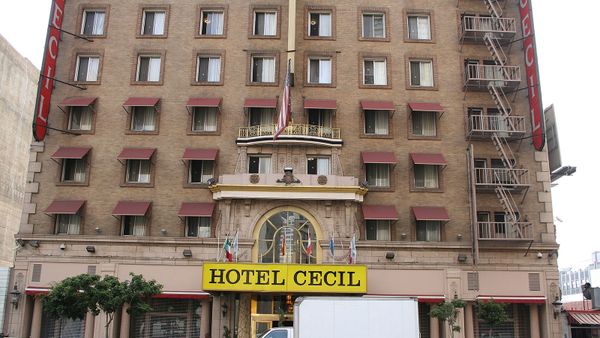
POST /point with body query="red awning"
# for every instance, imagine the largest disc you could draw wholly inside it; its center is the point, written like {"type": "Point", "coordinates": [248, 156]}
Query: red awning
{"type": "Point", "coordinates": [586, 317]}
{"type": "Point", "coordinates": [377, 105]}
{"type": "Point", "coordinates": [78, 101]}
{"type": "Point", "coordinates": [204, 102]}
{"type": "Point", "coordinates": [141, 102]}
{"type": "Point", "coordinates": [136, 153]}
{"type": "Point", "coordinates": [183, 295]}
{"type": "Point", "coordinates": [320, 104]}
{"type": "Point", "coordinates": [430, 159]}
{"type": "Point", "coordinates": [71, 152]}
{"type": "Point", "coordinates": [379, 212]}
{"type": "Point", "coordinates": [131, 208]}
{"type": "Point", "coordinates": [430, 213]}
{"type": "Point", "coordinates": [421, 106]}
{"type": "Point", "coordinates": [200, 154]}
{"type": "Point", "coordinates": [34, 291]}
{"type": "Point", "coordinates": [196, 209]}
{"type": "Point", "coordinates": [378, 157]}
{"type": "Point", "coordinates": [515, 299]}
{"type": "Point", "coordinates": [64, 207]}
{"type": "Point", "coordinates": [260, 103]}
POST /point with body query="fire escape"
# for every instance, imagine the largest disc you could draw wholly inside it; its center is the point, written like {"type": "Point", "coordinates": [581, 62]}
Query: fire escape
{"type": "Point", "coordinates": [503, 128]}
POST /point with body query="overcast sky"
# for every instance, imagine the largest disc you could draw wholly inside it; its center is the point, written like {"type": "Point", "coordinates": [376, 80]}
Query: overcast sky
{"type": "Point", "coordinates": [570, 71]}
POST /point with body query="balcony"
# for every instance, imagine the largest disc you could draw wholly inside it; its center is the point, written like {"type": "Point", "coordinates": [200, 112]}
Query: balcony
{"type": "Point", "coordinates": [479, 77]}
{"type": "Point", "coordinates": [473, 28]}
{"type": "Point", "coordinates": [483, 126]}
{"type": "Point", "coordinates": [505, 231]}
{"type": "Point", "coordinates": [487, 179]}
{"type": "Point", "coordinates": [302, 187]}
{"type": "Point", "coordinates": [293, 134]}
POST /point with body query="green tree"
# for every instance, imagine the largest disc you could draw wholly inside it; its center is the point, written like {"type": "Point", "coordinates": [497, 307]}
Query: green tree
{"type": "Point", "coordinates": [73, 297]}
{"type": "Point", "coordinates": [448, 312]}
{"type": "Point", "coordinates": [492, 313]}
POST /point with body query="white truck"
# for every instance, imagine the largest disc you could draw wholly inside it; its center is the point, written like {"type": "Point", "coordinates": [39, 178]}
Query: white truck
{"type": "Point", "coordinates": [352, 317]}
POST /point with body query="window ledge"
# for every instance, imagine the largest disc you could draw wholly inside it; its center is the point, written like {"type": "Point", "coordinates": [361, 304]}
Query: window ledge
{"type": "Point", "coordinates": [131, 132]}
{"type": "Point", "coordinates": [73, 184]}
{"type": "Point", "coordinates": [436, 190]}
{"type": "Point", "coordinates": [137, 185]}
{"type": "Point", "coordinates": [377, 136]}
{"type": "Point", "coordinates": [424, 138]}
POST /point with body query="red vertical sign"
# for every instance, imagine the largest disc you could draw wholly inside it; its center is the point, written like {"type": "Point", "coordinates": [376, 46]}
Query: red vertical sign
{"type": "Point", "coordinates": [533, 78]}
{"type": "Point", "coordinates": [46, 82]}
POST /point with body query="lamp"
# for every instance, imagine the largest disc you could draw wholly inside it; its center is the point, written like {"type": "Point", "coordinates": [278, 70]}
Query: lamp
{"type": "Point", "coordinates": [224, 309]}
{"type": "Point", "coordinates": [15, 295]}
{"type": "Point", "coordinates": [163, 232]}
{"type": "Point", "coordinates": [34, 244]}
{"type": "Point", "coordinates": [462, 258]}
{"type": "Point", "coordinates": [90, 249]}
{"type": "Point", "coordinates": [390, 255]}
{"type": "Point", "coordinates": [187, 253]}
{"type": "Point", "coordinates": [557, 304]}
{"type": "Point", "coordinates": [98, 230]}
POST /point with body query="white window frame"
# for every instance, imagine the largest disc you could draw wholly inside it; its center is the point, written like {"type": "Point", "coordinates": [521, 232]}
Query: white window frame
{"type": "Point", "coordinates": [141, 177]}
{"type": "Point", "coordinates": [93, 68]}
{"type": "Point", "coordinates": [423, 82]}
{"type": "Point", "coordinates": [156, 77]}
{"type": "Point", "coordinates": [207, 115]}
{"type": "Point", "coordinates": [164, 23]}
{"type": "Point", "coordinates": [423, 36]}
{"type": "Point", "coordinates": [220, 28]}
{"type": "Point", "coordinates": [432, 170]}
{"type": "Point", "coordinates": [382, 230]}
{"type": "Point", "coordinates": [267, 165]}
{"type": "Point", "coordinates": [373, 14]}
{"type": "Point", "coordinates": [78, 163]}
{"type": "Point", "coordinates": [433, 231]}
{"type": "Point", "coordinates": [321, 32]}
{"type": "Point", "coordinates": [141, 229]}
{"type": "Point", "coordinates": [205, 173]}
{"type": "Point", "coordinates": [323, 165]}
{"type": "Point", "coordinates": [322, 77]}
{"type": "Point", "coordinates": [98, 24]}
{"type": "Point", "coordinates": [85, 114]}
{"type": "Point", "coordinates": [415, 119]}
{"type": "Point", "coordinates": [204, 223]}
{"type": "Point", "coordinates": [385, 73]}
{"type": "Point", "coordinates": [73, 224]}
{"type": "Point", "coordinates": [213, 73]}
{"type": "Point", "coordinates": [382, 169]}
{"type": "Point", "coordinates": [377, 131]}
{"type": "Point", "coordinates": [146, 127]}
{"type": "Point", "coordinates": [264, 12]}
{"type": "Point", "coordinates": [262, 60]}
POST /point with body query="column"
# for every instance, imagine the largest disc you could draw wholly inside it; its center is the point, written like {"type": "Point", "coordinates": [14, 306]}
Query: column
{"type": "Point", "coordinates": [125, 322]}
{"type": "Point", "coordinates": [469, 327]}
{"type": "Point", "coordinates": [434, 327]}
{"type": "Point", "coordinates": [36, 320]}
{"type": "Point", "coordinates": [204, 319]}
{"type": "Point", "coordinates": [534, 321]}
{"type": "Point", "coordinates": [89, 325]}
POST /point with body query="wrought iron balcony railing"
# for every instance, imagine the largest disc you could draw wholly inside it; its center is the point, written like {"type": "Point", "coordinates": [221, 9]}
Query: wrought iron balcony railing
{"type": "Point", "coordinates": [486, 125]}
{"type": "Point", "coordinates": [479, 77]}
{"type": "Point", "coordinates": [473, 28]}
{"type": "Point", "coordinates": [505, 231]}
{"type": "Point", "coordinates": [509, 178]}
{"type": "Point", "coordinates": [293, 133]}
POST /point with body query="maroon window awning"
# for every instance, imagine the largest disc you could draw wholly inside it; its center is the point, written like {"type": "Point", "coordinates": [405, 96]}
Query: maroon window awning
{"type": "Point", "coordinates": [260, 103]}
{"type": "Point", "coordinates": [71, 152]}
{"type": "Point", "coordinates": [136, 153]}
{"type": "Point", "coordinates": [131, 208]}
{"type": "Point", "coordinates": [382, 157]}
{"type": "Point", "coordinates": [377, 105]}
{"type": "Point", "coordinates": [196, 209]}
{"type": "Point", "coordinates": [429, 159]}
{"type": "Point", "coordinates": [141, 102]}
{"type": "Point", "coordinates": [64, 207]}
{"type": "Point", "coordinates": [430, 214]}
{"type": "Point", "coordinates": [78, 101]}
{"type": "Point", "coordinates": [320, 104]}
{"type": "Point", "coordinates": [379, 212]}
{"type": "Point", "coordinates": [422, 106]}
{"type": "Point", "coordinates": [584, 317]}
{"type": "Point", "coordinates": [204, 102]}
{"type": "Point", "coordinates": [200, 154]}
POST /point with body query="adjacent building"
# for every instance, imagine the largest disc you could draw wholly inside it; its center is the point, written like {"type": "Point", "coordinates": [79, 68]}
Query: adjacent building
{"type": "Point", "coordinates": [407, 167]}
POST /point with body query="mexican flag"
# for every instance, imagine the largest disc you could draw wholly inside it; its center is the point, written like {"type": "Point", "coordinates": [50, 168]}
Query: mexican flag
{"type": "Point", "coordinates": [309, 246]}
{"type": "Point", "coordinates": [227, 249]}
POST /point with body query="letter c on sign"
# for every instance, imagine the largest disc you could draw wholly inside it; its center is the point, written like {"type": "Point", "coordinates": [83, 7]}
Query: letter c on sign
{"type": "Point", "coordinates": [296, 277]}
{"type": "Point", "coordinates": [53, 46]}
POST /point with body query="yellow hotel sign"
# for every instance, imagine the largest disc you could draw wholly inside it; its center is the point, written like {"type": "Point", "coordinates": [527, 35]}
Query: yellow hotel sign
{"type": "Point", "coordinates": [286, 278]}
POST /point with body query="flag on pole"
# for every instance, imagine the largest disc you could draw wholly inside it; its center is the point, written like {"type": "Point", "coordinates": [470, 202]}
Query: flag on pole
{"type": "Point", "coordinates": [227, 249]}
{"type": "Point", "coordinates": [332, 246]}
{"type": "Point", "coordinates": [285, 110]}
{"type": "Point", "coordinates": [235, 246]}
{"type": "Point", "coordinates": [282, 240]}
{"type": "Point", "coordinates": [309, 246]}
{"type": "Point", "coordinates": [352, 253]}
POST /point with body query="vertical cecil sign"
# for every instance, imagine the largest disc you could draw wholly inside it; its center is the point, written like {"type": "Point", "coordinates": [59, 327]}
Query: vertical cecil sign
{"type": "Point", "coordinates": [46, 82]}
{"type": "Point", "coordinates": [533, 79]}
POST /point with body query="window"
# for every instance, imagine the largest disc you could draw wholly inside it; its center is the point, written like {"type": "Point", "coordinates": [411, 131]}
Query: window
{"type": "Point", "coordinates": [375, 72]}
{"type": "Point", "coordinates": [378, 175]}
{"type": "Point", "coordinates": [378, 230]}
{"type": "Point", "coordinates": [319, 24]}
{"type": "Point", "coordinates": [282, 238]}
{"type": "Point", "coordinates": [134, 225]}
{"type": "Point", "coordinates": [318, 166]}
{"type": "Point", "coordinates": [93, 22]}
{"type": "Point", "coordinates": [148, 69]}
{"type": "Point", "coordinates": [80, 118]}
{"type": "Point", "coordinates": [138, 171]}
{"type": "Point", "coordinates": [86, 69]}
{"type": "Point", "coordinates": [73, 170]}
{"type": "Point", "coordinates": [143, 119]}
{"type": "Point", "coordinates": [429, 231]}
{"type": "Point", "coordinates": [261, 116]}
{"type": "Point", "coordinates": [426, 176]}
{"type": "Point", "coordinates": [376, 122]}
{"type": "Point", "coordinates": [198, 227]}
{"type": "Point", "coordinates": [200, 171]}
{"type": "Point", "coordinates": [319, 70]}
{"type": "Point", "coordinates": [419, 27]}
{"type": "Point", "coordinates": [265, 23]}
{"type": "Point", "coordinates": [320, 117]}
{"type": "Point", "coordinates": [68, 224]}
{"type": "Point", "coordinates": [421, 73]}
{"type": "Point", "coordinates": [153, 22]}
{"type": "Point", "coordinates": [208, 69]}
{"type": "Point", "coordinates": [213, 23]}
{"type": "Point", "coordinates": [204, 119]}
{"type": "Point", "coordinates": [259, 165]}
{"type": "Point", "coordinates": [263, 69]}
{"type": "Point", "coordinates": [424, 123]}
{"type": "Point", "coordinates": [373, 25]}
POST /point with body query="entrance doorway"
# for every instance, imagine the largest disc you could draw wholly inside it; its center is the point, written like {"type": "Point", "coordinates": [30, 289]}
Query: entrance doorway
{"type": "Point", "coordinates": [269, 311]}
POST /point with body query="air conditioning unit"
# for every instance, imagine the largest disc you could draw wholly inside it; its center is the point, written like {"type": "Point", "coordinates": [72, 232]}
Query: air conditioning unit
{"type": "Point", "coordinates": [596, 298]}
